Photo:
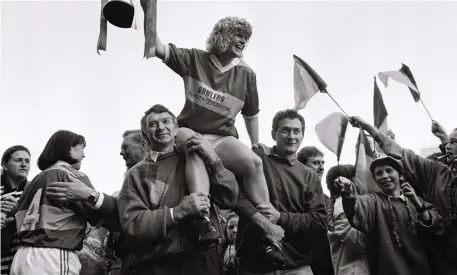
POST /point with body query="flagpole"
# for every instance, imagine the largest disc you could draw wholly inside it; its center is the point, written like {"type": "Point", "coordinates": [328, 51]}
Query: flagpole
{"type": "Point", "coordinates": [426, 109]}
{"type": "Point", "coordinates": [325, 91]}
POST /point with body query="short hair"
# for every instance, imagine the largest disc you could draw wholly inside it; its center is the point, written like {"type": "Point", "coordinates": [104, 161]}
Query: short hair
{"type": "Point", "coordinates": [13, 149]}
{"type": "Point", "coordinates": [136, 135]}
{"type": "Point", "coordinates": [156, 109]}
{"type": "Point", "coordinates": [308, 152]}
{"type": "Point", "coordinates": [224, 32]}
{"type": "Point", "coordinates": [58, 148]}
{"type": "Point", "coordinates": [289, 113]}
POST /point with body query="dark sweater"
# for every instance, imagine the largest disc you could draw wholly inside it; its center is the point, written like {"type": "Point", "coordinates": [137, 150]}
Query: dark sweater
{"type": "Point", "coordinates": [296, 192]}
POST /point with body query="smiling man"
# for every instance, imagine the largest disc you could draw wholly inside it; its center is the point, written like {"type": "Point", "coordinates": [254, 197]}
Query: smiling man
{"type": "Point", "coordinates": [133, 148]}
{"type": "Point", "coordinates": [296, 193]}
{"type": "Point", "coordinates": [158, 213]}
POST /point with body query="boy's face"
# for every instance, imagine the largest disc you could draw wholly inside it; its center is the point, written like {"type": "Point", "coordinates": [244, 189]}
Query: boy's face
{"type": "Point", "coordinates": [387, 178]}
{"type": "Point", "coordinates": [451, 147]}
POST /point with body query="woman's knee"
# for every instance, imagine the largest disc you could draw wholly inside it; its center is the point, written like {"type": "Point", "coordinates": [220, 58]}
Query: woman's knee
{"type": "Point", "coordinates": [181, 138]}
{"type": "Point", "coordinates": [253, 164]}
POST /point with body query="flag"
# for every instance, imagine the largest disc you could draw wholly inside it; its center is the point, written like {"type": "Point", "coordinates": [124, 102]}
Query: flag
{"type": "Point", "coordinates": [414, 92]}
{"type": "Point", "coordinates": [403, 76]}
{"type": "Point", "coordinates": [379, 112]}
{"type": "Point", "coordinates": [306, 83]}
{"type": "Point", "coordinates": [364, 158]}
{"type": "Point", "coordinates": [331, 131]}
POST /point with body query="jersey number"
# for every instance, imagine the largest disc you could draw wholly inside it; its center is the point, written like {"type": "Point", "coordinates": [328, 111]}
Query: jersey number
{"type": "Point", "coordinates": [32, 217]}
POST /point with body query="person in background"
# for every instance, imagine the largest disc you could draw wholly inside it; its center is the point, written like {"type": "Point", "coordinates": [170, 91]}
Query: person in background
{"type": "Point", "coordinates": [230, 264]}
{"type": "Point", "coordinates": [15, 169]}
{"type": "Point", "coordinates": [133, 150]}
{"type": "Point", "coordinates": [313, 158]}
{"type": "Point", "coordinates": [349, 247]}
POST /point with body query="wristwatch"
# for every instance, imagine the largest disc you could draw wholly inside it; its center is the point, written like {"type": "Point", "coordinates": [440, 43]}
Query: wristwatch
{"type": "Point", "coordinates": [93, 197]}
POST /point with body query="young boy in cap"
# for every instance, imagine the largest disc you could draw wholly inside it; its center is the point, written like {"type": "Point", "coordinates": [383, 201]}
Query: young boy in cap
{"type": "Point", "coordinates": [395, 220]}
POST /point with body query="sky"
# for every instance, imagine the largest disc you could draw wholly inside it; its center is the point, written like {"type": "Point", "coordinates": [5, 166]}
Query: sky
{"type": "Point", "coordinates": [52, 77]}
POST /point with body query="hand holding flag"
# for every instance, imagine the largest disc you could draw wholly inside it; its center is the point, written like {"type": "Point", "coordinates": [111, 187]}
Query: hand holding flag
{"type": "Point", "coordinates": [307, 83]}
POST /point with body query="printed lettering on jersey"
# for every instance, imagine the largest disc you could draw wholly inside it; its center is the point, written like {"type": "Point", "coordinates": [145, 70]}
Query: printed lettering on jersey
{"type": "Point", "coordinates": [206, 97]}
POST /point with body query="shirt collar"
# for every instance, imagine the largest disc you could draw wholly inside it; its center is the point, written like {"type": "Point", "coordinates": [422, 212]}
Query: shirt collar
{"type": "Point", "coordinates": [290, 161]}
{"type": "Point", "coordinates": [236, 61]}
{"type": "Point", "coordinates": [156, 155]}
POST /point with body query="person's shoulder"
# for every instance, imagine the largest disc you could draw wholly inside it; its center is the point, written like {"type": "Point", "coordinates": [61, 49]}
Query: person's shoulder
{"type": "Point", "coordinates": [246, 68]}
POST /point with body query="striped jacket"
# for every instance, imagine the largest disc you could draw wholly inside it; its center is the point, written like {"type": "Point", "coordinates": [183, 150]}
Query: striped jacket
{"type": "Point", "coordinates": [42, 222]}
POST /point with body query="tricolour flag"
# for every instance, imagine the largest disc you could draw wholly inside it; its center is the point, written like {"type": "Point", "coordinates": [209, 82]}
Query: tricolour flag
{"type": "Point", "coordinates": [379, 113]}
{"type": "Point", "coordinates": [403, 76]}
{"type": "Point", "coordinates": [365, 156]}
{"type": "Point", "coordinates": [306, 83]}
{"type": "Point", "coordinates": [331, 131]}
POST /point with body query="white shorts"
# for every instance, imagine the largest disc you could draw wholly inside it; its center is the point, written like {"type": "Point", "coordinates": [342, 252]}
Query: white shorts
{"type": "Point", "coordinates": [45, 261]}
{"type": "Point", "coordinates": [216, 140]}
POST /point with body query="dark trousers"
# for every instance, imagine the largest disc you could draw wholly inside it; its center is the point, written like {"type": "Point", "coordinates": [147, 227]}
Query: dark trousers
{"type": "Point", "coordinates": [205, 263]}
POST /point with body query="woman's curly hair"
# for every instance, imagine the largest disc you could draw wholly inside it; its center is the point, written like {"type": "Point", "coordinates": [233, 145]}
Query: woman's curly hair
{"type": "Point", "coordinates": [224, 32]}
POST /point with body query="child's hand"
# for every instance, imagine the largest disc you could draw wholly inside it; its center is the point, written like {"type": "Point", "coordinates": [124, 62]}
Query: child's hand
{"type": "Point", "coordinates": [409, 192]}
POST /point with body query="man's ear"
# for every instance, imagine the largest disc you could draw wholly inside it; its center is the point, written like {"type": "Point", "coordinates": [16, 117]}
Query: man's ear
{"type": "Point", "coordinates": [273, 135]}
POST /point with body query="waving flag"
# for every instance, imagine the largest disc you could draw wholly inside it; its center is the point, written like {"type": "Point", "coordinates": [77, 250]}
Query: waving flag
{"type": "Point", "coordinates": [365, 157]}
{"type": "Point", "coordinates": [379, 109]}
{"type": "Point", "coordinates": [306, 83]}
{"type": "Point", "coordinates": [331, 131]}
{"type": "Point", "coordinates": [403, 76]}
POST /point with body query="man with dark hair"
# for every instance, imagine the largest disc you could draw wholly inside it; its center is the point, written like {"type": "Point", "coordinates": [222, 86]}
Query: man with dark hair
{"type": "Point", "coordinates": [313, 158]}
{"type": "Point", "coordinates": [296, 193]}
{"type": "Point", "coordinates": [322, 260]}
{"type": "Point", "coordinates": [157, 213]}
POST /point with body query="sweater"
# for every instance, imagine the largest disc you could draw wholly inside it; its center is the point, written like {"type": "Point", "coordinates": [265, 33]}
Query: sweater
{"type": "Point", "coordinates": [150, 189]}
{"type": "Point", "coordinates": [295, 191]}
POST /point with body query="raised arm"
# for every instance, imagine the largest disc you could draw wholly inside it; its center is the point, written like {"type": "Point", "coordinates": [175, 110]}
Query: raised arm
{"type": "Point", "coordinates": [418, 170]}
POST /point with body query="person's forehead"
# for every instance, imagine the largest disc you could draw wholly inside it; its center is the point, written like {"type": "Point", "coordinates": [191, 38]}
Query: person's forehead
{"type": "Point", "coordinates": [233, 220]}
{"type": "Point", "coordinates": [383, 167]}
{"type": "Point", "coordinates": [453, 135]}
{"type": "Point", "coordinates": [20, 154]}
{"type": "Point", "coordinates": [290, 123]}
{"type": "Point", "coordinates": [158, 117]}
{"type": "Point", "coordinates": [316, 158]}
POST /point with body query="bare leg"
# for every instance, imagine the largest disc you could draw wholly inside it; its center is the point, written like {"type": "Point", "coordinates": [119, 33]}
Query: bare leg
{"type": "Point", "coordinates": [241, 160]}
{"type": "Point", "coordinates": [196, 174]}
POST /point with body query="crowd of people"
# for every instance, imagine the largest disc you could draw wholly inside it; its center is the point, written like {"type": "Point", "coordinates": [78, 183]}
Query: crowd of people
{"type": "Point", "coordinates": [196, 200]}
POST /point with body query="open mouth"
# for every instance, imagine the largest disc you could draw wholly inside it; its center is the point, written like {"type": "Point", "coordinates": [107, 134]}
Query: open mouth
{"type": "Point", "coordinates": [239, 47]}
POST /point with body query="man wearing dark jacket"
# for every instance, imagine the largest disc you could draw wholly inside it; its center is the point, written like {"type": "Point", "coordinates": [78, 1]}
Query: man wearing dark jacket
{"type": "Point", "coordinates": [157, 213]}
{"type": "Point", "coordinates": [296, 193]}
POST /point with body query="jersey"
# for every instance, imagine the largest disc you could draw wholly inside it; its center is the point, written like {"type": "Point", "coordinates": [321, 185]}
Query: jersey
{"type": "Point", "coordinates": [42, 222]}
{"type": "Point", "coordinates": [214, 94]}
{"type": "Point", "coordinates": [9, 238]}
